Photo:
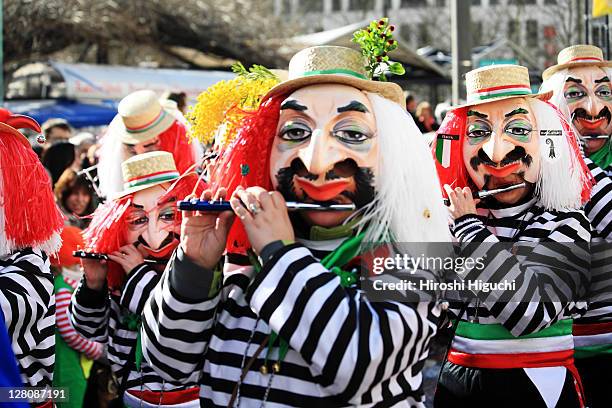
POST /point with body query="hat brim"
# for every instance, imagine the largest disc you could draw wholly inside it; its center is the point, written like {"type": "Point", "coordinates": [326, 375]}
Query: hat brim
{"type": "Point", "coordinates": [389, 90]}
{"type": "Point", "coordinates": [9, 129]}
{"type": "Point", "coordinates": [132, 138]}
{"type": "Point", "coordinates": [136, 189]}
{"type": "Point", "coordinates": [544, 96]}
{"type": "Point", "coordinates": [550, 71]}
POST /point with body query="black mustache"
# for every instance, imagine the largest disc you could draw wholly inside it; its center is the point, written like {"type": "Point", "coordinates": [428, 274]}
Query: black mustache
{"type": "Point", "coordinates": [168, 240]}
{"type": "Point", "coordinates": [344, 169]}
{"type": "Point", "coordinates": [582, 113]}
{"type": "Point", "coordinates": [518, 153]}
{"type": "Point", "coordinates": [363, 176]}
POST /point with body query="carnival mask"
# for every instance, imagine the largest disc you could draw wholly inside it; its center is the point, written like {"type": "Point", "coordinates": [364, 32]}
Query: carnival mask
{"type": "Point", "coordinates": [325, 150]}
{"type": "Point", "coordinates": [143, 147]}
{"type": "Point", "coordinates": [152, 224]}
{"type": "Point", "coordinates": [501, 147]}
{"type": "Point", "coordinates": [588, 93]}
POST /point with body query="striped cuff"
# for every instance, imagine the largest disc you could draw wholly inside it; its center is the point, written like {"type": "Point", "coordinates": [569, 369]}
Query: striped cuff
{"type": "Point", "coordinates": [89, 298]}
{"type": "Point", "coordinates": [466, 225]}
{"type": "Point", "coordinates": [189, 279]}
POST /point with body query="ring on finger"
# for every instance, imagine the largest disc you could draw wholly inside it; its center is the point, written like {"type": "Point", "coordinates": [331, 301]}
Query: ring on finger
{"type": "Point", "coordinates": [254, 208]}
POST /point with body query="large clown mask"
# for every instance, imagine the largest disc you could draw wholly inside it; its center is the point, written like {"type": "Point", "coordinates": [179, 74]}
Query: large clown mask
{"type": "Point", "coordinates": [587, 91]}
{"type": "Point", "coordinates": [501, 147]}
{"type": "Point", "coordinates": [152, 225]}
{"type": "Point", "coordinates": [325, 150]}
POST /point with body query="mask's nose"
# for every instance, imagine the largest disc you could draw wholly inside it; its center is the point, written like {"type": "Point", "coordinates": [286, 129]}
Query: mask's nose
{"type": "Point", "coordinates": [497, 147]}
{"type": "Point", "coordinates": [319, 156]}
{"type": "Point", "coordinates": [154, 235]}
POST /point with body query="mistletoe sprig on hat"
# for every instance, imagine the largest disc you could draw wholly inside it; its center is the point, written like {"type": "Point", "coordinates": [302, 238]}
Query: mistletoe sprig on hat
{"type": "Point", "coordinates": [376, 42]}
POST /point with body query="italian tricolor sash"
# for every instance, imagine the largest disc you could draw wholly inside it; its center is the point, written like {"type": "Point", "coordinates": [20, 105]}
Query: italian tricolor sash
{"type": "Point", "coordinates": [493, 346]}
{"type": "Point", "coordinates": [592, 339]}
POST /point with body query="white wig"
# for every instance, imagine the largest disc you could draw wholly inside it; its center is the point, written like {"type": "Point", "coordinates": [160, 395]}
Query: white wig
{"type": "Point", "coordinates": [408, 206]}
{"type": "Point", "coordinates": [562, 174]}
{"type": "Point", "coordinates": [112, 154]}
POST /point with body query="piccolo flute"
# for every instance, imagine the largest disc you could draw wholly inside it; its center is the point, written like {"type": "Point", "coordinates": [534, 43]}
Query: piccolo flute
{"type": "Point", "coordinates": [487, 193]}
{"type": "Point", "coordinates": [218, 206]}
{"type": "Point", "coordinates": [104, 257]}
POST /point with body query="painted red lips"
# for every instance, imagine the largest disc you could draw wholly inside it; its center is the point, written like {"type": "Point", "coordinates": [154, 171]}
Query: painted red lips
{"type": "Point", "coordinates": [324, 192]}
{"type": "Point", "coordinates": [591, 124]}
{"type": "Point", "coordinates": [502, 171]}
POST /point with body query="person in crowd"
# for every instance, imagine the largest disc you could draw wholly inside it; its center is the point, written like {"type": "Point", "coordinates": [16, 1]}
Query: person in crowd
{"type": "Point", "coordinates": [411, 106]}
{"type": "Point", "coordinates": [138, 230]}
{"type": "Point", "coordinates": [143, 125]}
{"type": "Point", "coordinates": [181, 100]}
{"type": "Point", "coordinates": [75, 197]}
{"type": "Point", "coordinates": [582, 90]}
{"type": "Point", "coordinates": [425, 118]}
{"type": "Point", "coordinates": [57, 158]}
{"type": "Point", "coordinates": [534, 238]}
{"type": "Point", "coordinates": [74, 354]}
{"type": "Point", "coordinates": [252, 330]}
{"type": "Point", "coordinates": [30, 225]}
{"type": "Point", "coordinates": [82, 143]}
{"type": "Point", "coordinates": [56, 130]}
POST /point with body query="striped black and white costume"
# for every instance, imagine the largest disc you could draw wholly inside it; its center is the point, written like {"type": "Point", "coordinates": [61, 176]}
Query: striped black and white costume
{"type": "Point", "coordinates": [593, 330]}
{"type": "Point", "coordinates": [28, 305]}
{"type": "Point", "coordinates": [519, 339]}
{"type": "Point", "coordinates": [342, 350]}
{"type": "Point", "coordinates": [109, 317]}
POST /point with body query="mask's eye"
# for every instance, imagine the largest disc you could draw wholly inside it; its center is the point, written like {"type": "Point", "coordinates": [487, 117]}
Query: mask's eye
{"type": "Point", "coordinates": [478, 131]}
{"type": "Point", "coordinates": [138, 220]}
{"type": "Point", "coordinates": [519, 129]}
{"type": "Point", "coordinates": [351, 136]}
{"type": "Point", "coordinates": [167, 214]}
{"type": "Point", "coordinates": [604, 92]}
{"type": "Point", "coordinates": [574, 93]}
{"type": "Point", "coordinates": [295, 132]}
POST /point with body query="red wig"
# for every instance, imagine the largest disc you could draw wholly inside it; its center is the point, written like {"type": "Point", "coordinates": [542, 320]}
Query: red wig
{"type": "Point", "coordinates": [176, 141]}
{"type": "Point", "coordinates": [246, 161]}
{"type": "Point", "coordinates": [29, 216]}
{"type": "Point", "coordinates": [107, 231]}
{"type": "Point", "coordinates": [449, 141]}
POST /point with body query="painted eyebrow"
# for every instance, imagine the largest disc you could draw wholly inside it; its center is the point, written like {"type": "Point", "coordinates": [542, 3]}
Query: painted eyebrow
{"type": "Point", "coordinates": [140, 207]}
{"type": "Point", "coordinates": [519, 111]}
{"type": "Point", "coordinates": [576, 80]}
{"type": "Point", "coordinates": [293, 105]}
{"type": "Point", "coordinates": [475, 113]}
{"type": "Point", "coordinates": [604, 79]}
{"type": "Point", "coordinates": [153, 143]}
{"type": "Point", "coordinates": [353, 106]}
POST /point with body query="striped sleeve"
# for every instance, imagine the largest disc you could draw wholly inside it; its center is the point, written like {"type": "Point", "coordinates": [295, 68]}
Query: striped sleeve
{"type": "Point", "coordinates": [549, 276]}
{"type": "Point", "coordinates": [28, 305]}
{"type": "Point", "coordinates": [351, 345]}
{"type": "Point", "coordinates": [138, 287]}
{"type": "Point", "coordinates": [89, 312]}
{"type": "Point", "coordinates": [599, 208]}
{"type": "Point", "coordinates": [77, 342]}
{"type": "Point", "coordinates": [176, 327]}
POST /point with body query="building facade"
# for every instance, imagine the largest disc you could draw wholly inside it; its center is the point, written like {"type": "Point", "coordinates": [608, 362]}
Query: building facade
{"type": "Point", "coordinates": [542, 27]}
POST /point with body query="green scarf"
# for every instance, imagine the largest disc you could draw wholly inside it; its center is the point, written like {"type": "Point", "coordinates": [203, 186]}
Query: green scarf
{"type": "Point", "coordinates": [603, 156]}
